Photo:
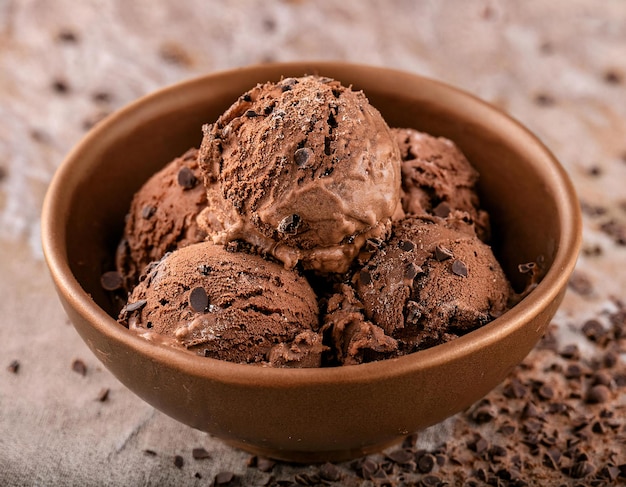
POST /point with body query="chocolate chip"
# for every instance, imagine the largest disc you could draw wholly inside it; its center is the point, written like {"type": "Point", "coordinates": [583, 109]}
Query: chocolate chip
{"type": "Point", "coordinates": [581, 470]}
{"type": "Point", "coordinates": [147, 212]}
{"type": "Point", "coordinates": [544, 99]}
{"type": "Point", "coordinates": [442, 210]}
{"type": "Point", "coordinates": [150, 453]}
{"type": "Point", "coordinates": [302, 156]}
{"type": "Point", "coordinates": [251, 114]}
{"type": "Point", "coordinates": [79, 367]}
{"type": "Point", "coordinates": [186, 178]}
{"type": "Point", "coordinates": [198, 299]}
{"type": "Point", "coordinates": [442, 253]}
{"type": "Point", "coordinates": [14, 366]}
{"type": "Point", "coordinates": [101, 97]}
{"type": "Point", "coordinates": [330, 472]}
{"type": "Point", "coordinates": [60, 86]}
{"type": "Point", "coordinates": [111, 281]}
{"type": "Point", "coordinates": [290, 224]}
{"type": "Point", "coordinates": [459, 268]}
{"type": "Point", "coordinates": [613, 77]}
{"type": "Point", "coordinates": [67, 36]}
{"type": "Point", "coordinates": [406, 245]}
{"type": "Point", "coordinates": [479, 446]}
{"type": "Point", "coordinates": [200, 453]}
{"type": "Point", "coordinates": [426, 463]}
{"type": "Point", "coordinates": [178, 461]}
{"type": "Point", "coordinates": [224, 478]}
{"type": "Point", "coordinates": [103, 395]}
{"type": "Point", "coordinates": [598, 394]}
{"type": "Point", "coordinates": [593, 330]}
{"type": "Point", "coordinates": [580, 284]}
{"type": "Point", "coordinates": [570, 352]}
{"type": "Point", "coordinates": [137, 305]}
{"type": "Point", "coordinates": [545, 392]}
{"type": "Point", "coordinates": [400, 456]}
{"type": "Point", "coordinates": [412, 271]}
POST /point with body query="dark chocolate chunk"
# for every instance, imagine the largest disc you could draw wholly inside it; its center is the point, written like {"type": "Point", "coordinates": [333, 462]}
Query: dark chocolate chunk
{"type": "Point", "coordinates": [111, 281]}
{"type": "Point", "coordinates": [130, 307]}
{"type": "Point", "coordinates": [442, 210]}
{"type": "Point", "coordinates": [198, 299]}
{"type": "Point", "coordinates": [459, 268]}
{"type": "Point", "coordinates": [302, 156]}
{"type": "Point", "coordinates": [581, 470]}
{"type": "Point", "coordinates": [442, 253]}
{"type": "Point", "coordinates": [598, 394]}
{"type": "Point", "coordinates": [412, 271]}
{"type": "Point", "coordinates": [14, 367]}
{"type": "Point", "coordinates": [290, 224]}
{"type": "Point", "coordinates": [103, 395]}
{"type": "Point", "coordinates": [200, 453]}
{"type": "Point", "coordinates": [426, 463]}
{"type": "Point", "coordinates": [224, 478]}
{"type": "Point", "coordinates": [79, 367]}
{"type": "Point", "coordinates": [330, 472]}
{"type": "Point", "coordinates": [178, 461]}
{"type": "Point", "coordinates": [186, 178]}
{"type": "Point", "coordinates": [406, 245]}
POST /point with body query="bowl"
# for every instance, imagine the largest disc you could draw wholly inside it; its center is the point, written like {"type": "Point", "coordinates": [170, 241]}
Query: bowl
{"type": "Point", "coordinates": [311, 415]}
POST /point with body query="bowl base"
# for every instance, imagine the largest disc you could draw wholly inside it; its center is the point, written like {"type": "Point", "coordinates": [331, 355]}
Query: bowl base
{"type": "Point", "coordinates": [308, 457]}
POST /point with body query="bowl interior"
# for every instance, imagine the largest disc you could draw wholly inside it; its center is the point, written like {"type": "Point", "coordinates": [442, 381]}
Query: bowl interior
{"type": "Point", "coordinates": [353, 409]}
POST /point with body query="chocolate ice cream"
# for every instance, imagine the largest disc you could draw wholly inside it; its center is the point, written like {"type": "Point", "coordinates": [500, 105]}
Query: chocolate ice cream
{"type": "Point", "coordinates": [432, 281]}
{"type": "Point", "coordinates": [437, 178]}
{"type": "Point", "coordinates": [304, 169]}
{"type": "Point", "coordinates": [162, 217]}
{"type": "Point", "coordinates": [227, 305]}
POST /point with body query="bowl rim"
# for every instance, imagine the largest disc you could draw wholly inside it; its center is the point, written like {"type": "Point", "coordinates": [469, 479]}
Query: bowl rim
{"type": "Point", "coordinates": [553, 282]}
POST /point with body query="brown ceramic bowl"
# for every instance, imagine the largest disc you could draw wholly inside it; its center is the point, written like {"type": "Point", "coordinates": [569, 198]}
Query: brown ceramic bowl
{"type": "Point", "coordinates": [311, 414]}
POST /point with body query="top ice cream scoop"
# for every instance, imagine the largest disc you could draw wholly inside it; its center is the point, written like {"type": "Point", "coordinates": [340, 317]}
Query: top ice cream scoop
{"type": "Point", "coordinates": [305, 169]}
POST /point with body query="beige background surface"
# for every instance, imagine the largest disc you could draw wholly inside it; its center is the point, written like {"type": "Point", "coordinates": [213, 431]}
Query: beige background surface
{"type": "Point", "coordinates": [558, 66]}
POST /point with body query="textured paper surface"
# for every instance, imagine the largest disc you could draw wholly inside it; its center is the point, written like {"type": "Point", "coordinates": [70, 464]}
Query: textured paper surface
{"type": "Point", "coordinates": [559, 67]}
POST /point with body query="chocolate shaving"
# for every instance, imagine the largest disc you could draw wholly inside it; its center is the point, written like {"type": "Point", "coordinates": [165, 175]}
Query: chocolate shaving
{"type": "Point", "coordinates": [198, 299]}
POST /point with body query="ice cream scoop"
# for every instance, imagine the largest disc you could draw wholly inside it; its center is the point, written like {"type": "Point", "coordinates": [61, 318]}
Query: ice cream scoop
{"type": "Point", "coordinates": [432, 281]}
{"type": "Point", "coordinates": [227, 305]}
{"type": "Point", "coordinates": [304, 169]}
{"type": "Point", "coordinates": [162, 217]}
{"type": "Point", "coordinates": [437, 178]}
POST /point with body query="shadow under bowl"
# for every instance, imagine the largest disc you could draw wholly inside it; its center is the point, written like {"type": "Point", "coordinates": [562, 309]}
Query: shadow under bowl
{"type": "Point", "coordinates": [310, 415]}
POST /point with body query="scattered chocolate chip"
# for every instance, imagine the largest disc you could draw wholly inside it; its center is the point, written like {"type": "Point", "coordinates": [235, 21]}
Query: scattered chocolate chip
{"type": "Point", "coordinates": [442, 253]}
{"type": "Point", "coordinates": [200, 454]}
{"type": "Point", "coordinates": [459, 268]}
{"type": "Point", "coordinates": [545, 392]}
{"type": "Point", "coordinates": [616, 230]}
{"type": "Point", "coordinates": [251, 114]}
{"type": "Point", "coordinates": [290, 224]}
{"type": "Point", "coordinates": [412, 271]}
{"type": "Point", "coordinates": [570, 352]}
{"type": "Point", "coordinates": [67, 36]}
{"type": "Point", "coordinates": [198, 299]}
{"type": "Point", "coordinates": [147, 212]}
{"type": "Point", "coordinates": [544, 99]}
{"type": "Point", "coordinates": [150, 453]}
{"type": "Point", "coordinates": [401, 456]}
{"type": "Point", "coordinates": [79, 367]}
{"type": "Point", "coordinates": [580, 284]}
{"type": "Point", "coordinates": [406, 245]}
{"type": "Point", "coordinates": [613, 77]}
{"type": "Point", "coordinates": [224, 478]}
{"type": "Point", "coordinates": [186, 178]}
{"type": "Point", "coordinates": [598, 394]}
{"type": "Point", "coordinates": [330, 472]}
{"type": "Point", "coordinates": [178, 461]}
{"type": "Point", "coordinates": [111, 281]}
{"type": "Point", "coordinates": [60, 86]}
{"type": "Point", "coordinates": [137, 305]}
{"type": "Point", "coordinates": [14, 366]}
{"type": "Point", "coordinates": [479, 446]}
{"type": "Point", "coordinates": [302, 156]}
{"type": "Point", "coordinates": [426, 463]}
{"type": "Point", "coordinates": [581, 470]}
{"type": "Point", "coordinates": [593, 330]}
{"type": "Point", "coordinates": [103, 395]}
{"type": "Point", "coordinates": [442, 210]}
{"type": "Point", "coordinates": [197, 475]}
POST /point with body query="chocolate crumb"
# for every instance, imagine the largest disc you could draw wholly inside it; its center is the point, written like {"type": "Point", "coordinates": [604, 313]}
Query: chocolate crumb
{"type": "Point", "coordinates": [459, 268]}
{"type": "Point", "coordinates": [442, 253]}
{"type": "Point", "coordinates": [79, 367]}
{"type": "Point", "coordinates": [302, 156]}
{"type": "Point", "coordinates": [178, 461]}
{"type": "Point", "coordinates": [103, 395]}
{"type": "Point", "coordinates": [186, 178]}
{"type": "Point", "coordinates": [111, 281]}
{"type": "Point", "coordinates": [14, 366]}
{"type": "Point", "coordinates": [200, 453]}
{"type": "Point", "coordinates": [198, 299]}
